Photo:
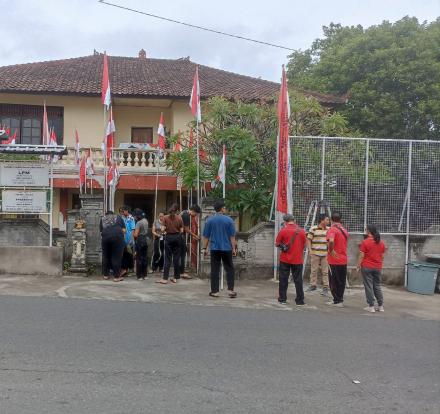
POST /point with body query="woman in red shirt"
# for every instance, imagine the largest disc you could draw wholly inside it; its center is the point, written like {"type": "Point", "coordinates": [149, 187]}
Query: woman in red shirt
{"type": "Point", "coordinates": [371, 253]}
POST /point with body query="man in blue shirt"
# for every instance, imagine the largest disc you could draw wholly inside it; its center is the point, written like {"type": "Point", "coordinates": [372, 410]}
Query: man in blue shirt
{"type": "Point", "coordinates": [219, 234]}
{"type": "Point", "coordinates": [130, 224]}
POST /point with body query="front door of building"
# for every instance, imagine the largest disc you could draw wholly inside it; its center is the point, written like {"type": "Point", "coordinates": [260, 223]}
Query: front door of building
{"type": "Point", "coordinates": [143, 201]}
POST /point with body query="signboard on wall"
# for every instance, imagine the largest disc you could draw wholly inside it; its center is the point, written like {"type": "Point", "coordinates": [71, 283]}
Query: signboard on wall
{"type": "Point", "coordinates": [24, 201]}
{"type": "Point", "coordinates": [24, 175]}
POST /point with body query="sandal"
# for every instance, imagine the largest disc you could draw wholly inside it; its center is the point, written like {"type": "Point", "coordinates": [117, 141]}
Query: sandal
{"type": "Point", "coordinates": [232, 294]}
{"type": "Point", "coordinates": [173, 280]}
{"type": "Point", "coordinates": [214, 295]}
{"type": "Point", "coordinates": [162, 281]}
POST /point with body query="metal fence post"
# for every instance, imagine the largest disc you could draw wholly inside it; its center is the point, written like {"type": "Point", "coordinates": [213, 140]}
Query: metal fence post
{"type": "Point", "coordinates": [366, 183]}
{"type": "Point", "coordinates": [322, 168]}
{"type": "Point", "coordinates": [408, 211]}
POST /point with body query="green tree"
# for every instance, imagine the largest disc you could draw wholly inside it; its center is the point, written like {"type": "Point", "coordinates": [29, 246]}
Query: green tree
{"type": "Point", "coordinates": [391, 73]}
{"type": "Point", "coordinates": [249, 131]}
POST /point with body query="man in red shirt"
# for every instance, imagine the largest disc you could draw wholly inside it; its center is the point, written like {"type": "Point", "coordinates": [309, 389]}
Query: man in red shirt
{"type": "Point", "coordinates": [337, 237]}
{"type": "Point", "coordinates": [291, 260]}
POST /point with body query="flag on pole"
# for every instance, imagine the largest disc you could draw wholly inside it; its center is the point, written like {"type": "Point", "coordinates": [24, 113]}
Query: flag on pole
{"type": "Point", "coordinates": [284, 176]}
{"type": "Point", "coordinates": [46, 133]}
{"type": "Point", "coordinates": [178, 146]}
{"type": "Point", "coordinates": [10, 140]}
{"type": "Point", "coordinates": [191, 138]}
{"type": "Point", "coordinates": [110, 138]}
{"type": "Point", "coordinates": [90, 166]}
{"type": "Point", "coordinates": [105, 87]}
{"type": "Point", "coordinates": [77, 149]}
{"type": "Point", "coordinates": [161, 132]}
{"type": "Point", "coordinates": [53, 142]}
{"type": "Point", "coordinates": [221, 176]}
{"type": "Point", "coordinates": [82, 173]}
{"type": "Point", "coordinates": [194, 101]}
{"type": "Point", "coordinates": [113, 175]}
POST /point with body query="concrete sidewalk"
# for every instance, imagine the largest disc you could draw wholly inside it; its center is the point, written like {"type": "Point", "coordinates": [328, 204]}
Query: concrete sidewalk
{"type": "Point", "coordinates": [251, 294]}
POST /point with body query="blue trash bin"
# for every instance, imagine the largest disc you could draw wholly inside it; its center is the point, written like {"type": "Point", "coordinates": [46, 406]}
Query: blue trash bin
{"type": "Point", "coordinates": [422, 277]}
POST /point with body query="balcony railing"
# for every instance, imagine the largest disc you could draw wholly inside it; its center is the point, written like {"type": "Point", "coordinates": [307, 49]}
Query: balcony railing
{"type": "Point", "coordinates": [128, 160]}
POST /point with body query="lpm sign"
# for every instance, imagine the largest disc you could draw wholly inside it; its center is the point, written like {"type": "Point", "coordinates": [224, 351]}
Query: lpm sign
{"type": "Point", "coordinates": [24, 175]}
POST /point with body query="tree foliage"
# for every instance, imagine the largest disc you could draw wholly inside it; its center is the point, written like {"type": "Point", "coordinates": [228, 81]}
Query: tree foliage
{"type": "Point", "coordinates": [391, 73]}
{"type": "Point", "coordinates": [249, 131]}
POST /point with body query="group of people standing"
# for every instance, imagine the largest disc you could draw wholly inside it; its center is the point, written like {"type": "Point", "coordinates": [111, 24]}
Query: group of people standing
{"type": "Point", "coordinates": [126, 239]}
{"type": "Point", "coordinates": [327, 245]}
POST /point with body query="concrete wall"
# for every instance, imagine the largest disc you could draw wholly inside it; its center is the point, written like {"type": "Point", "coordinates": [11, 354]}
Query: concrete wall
{"type": "Point", "coordinates": [25, 260]}
{"type": "Point", "coordinates": [23, 232]}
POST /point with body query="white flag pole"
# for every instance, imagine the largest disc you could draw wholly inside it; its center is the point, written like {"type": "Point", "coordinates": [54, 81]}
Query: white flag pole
{"type": "Point", "coordinates": [105, 161]}
{"type": "Point", "coordinates": [198, 189]}
{"type": "Point", "coordinates": [222, 276]}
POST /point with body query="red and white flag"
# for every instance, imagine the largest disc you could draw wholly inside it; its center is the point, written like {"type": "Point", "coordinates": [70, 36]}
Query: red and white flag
{"type": "Point", "coordinates": [221, 176]}
{"type": "Point", "coordinates": [109, 136]}
{"type": "Point", "coordinates": [194, 101]}
{"type": "Point", "coordinates": [53, 138]}
{"type": "Point", "coordinates": [82, 173]}
{"type": "Point", "coordinates": [178, 146]}
{"type": "Point", "coordinates": [105, 87]}
{"type": "Point", "coordinates": [11, 140]}
{"type": "Point", "coordinates": [113, 175]}
{"type": "Point", "coordinates": [53, 142]}
{"type": "Point", "coordinates": [191, 138]}
{"type": "Point", "coordinates": [161, 132]}
{"type": "Point", "coordinates": [46, 132]}
{"type": "Point", "coordinates": [77, 149]}
{"type": "Point", "coordinates": [90, 166]}
{"type": "Point", "coordinates": [284, 171]}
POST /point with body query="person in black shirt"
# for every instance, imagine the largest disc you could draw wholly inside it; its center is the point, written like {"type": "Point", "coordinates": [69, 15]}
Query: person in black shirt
{"type": "Point", "coordinates": [186, 215]}
{"type": "Point", "coordinates": [112, 229]}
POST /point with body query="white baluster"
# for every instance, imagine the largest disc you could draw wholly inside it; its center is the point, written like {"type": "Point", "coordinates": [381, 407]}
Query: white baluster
{"type": "Point", "coordinates": [143, 165]}
{"type": "Point", "coordinates": [136, 159]}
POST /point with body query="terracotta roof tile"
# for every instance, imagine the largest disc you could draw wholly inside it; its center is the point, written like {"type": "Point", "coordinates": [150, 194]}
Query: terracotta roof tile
{"type": "Point", "coordinates": [138, 77]}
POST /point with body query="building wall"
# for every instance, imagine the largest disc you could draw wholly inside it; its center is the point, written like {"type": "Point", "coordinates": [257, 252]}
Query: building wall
{"type": "Point", "coordinates": [181, 116]}
{"type": "Point", "coordinates": [81, 113]}
{"type": "Point", "coordinates": [127, 117]}
{"type": "Point", "coordinates": [85, 114]}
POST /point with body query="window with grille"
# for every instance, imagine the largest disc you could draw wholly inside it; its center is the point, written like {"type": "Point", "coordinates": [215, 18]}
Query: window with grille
{"type": "Point", "coordinates": [27, 122]}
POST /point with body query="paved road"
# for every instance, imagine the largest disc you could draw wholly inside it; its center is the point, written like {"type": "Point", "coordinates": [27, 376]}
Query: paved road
{"type": "Point", "coordinates": [95, 356]}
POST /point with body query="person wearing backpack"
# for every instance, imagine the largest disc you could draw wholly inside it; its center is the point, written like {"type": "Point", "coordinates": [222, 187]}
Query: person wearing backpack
{"type": "Point", "coordinates": [112, 229]}
{"type": "Point", "coordinates": [337, 237]}
{"type": "Point", "coordinates": [140, 236]}
{"type": "Point", "coordinates": [291, 240]}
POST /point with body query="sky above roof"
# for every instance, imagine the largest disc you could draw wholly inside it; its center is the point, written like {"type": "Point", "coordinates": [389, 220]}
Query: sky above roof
{"type": "Point", "coordinates": [48, 30]}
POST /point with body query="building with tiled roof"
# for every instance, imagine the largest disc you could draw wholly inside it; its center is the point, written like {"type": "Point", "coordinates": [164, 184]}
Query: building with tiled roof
{"type": "Point", "coordinates": [142, 89]}
{"type": "Point", "coordinates": [139, 77]}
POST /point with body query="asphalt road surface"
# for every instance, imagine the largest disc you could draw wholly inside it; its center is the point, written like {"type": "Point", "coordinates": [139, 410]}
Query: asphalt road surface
{"type": "Point", "coordinates": [95, 356]}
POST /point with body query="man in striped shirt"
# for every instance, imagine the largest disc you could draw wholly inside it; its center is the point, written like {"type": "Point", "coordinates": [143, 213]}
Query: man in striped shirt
{"type": "Point", "coordinates": [317, 241]}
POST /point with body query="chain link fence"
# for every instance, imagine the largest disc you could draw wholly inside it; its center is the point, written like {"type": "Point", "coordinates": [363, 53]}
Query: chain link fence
{"type": "Point", "coordinates": [394, 184]}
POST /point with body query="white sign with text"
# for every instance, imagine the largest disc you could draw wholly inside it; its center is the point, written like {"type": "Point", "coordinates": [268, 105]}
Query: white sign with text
{"type": "Point", "coordinates": [24, 201]}
{"type": "Point", "coordinates": [24, 175]}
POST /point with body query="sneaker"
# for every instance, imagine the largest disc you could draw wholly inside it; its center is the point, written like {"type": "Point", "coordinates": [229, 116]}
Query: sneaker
{"type": "Point", "coordinates": [339, 305]}
{"type": "Point", "coordinates": [324, 292]}
{"type": "Point", "coordinates": [300, 304]}
{"type": "Point", "coordinates": [282, 302]}
{"type": "Point", "coordinates": [330, 303]}
{"type": "Point", "coordinates": [311, 288]}
{"type": "Point", "coordinates": [370, 309]}
{"type": "Point", "coordinates": [380, 309]}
